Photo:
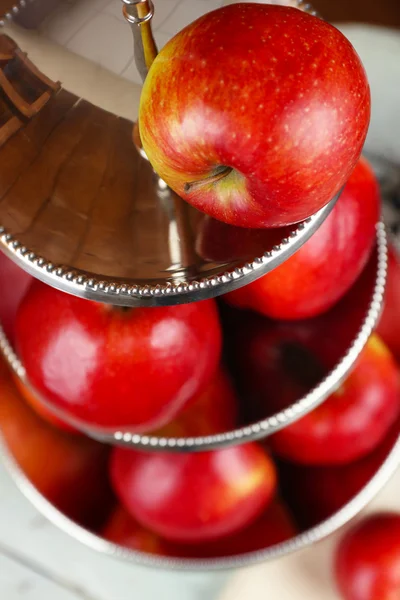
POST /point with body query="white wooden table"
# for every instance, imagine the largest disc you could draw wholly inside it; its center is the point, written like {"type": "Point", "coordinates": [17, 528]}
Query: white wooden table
{"type": "Point", "coordinates": [40, 562]}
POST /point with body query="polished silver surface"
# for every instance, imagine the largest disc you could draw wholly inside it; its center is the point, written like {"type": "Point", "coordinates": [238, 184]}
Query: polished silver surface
{"type": "Point", "coordinates": [302, 540]}
{"type": "Point", "coordinates": [130, 13]}
{"type": "Point", "coordinates": [268, 426]}
{"type": "Point", "coordinates": [170, 254]}
{"type": "Point", "coordinates": [125, 239]}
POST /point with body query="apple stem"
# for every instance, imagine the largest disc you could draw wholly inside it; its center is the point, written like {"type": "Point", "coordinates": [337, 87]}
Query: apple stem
{"type": "Point", "coordinates": [219, 174]}
{"type": "Point", "coordinates": [149, 44]}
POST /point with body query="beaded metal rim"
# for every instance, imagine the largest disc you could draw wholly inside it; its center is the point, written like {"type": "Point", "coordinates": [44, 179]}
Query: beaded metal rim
{"type": "Point", "coordinates": [262, 428]}
{"type": "Point", "coordinates": [315, 534]}
{"type": "Point", "coordinates": [14, 11]}
{"type": "Point", "coordinates": [87, 285]}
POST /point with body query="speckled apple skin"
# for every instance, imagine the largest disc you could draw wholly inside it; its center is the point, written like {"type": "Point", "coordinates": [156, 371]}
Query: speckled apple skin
{"type": "Point", "coordinates": [312, 280]}
{"type": "Point", "coordinates": [277, 95]}
{"type": "Point", "coordinates": [113, 368]}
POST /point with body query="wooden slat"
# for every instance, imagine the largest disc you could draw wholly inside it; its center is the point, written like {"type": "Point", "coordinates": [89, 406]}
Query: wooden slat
{"type": "Point", "coordinates": [36, 183]}
{"type": "Point", "coordinates": [24, 85]}
{"type": "Point", "coordinates": [77, 185]}
{"type": "Point", "coordinates": [7, 45]}
{"type": "Point", "coordinates": [16, 99]}
{"type": "Point", "coordinates": [53, 85]}
{"type": "Point", "coordinates": [9, 123]}
{"type": "Point", "coordinates": [22, 149]}
{"type": "Point", "coordinates": [69, 181]}
{"type": "Point", "coordinates": [120, 181]}
{"type": "Point", "coordinates": [378, 12]}
{"type": "Point", "coordinates": [8, 129]}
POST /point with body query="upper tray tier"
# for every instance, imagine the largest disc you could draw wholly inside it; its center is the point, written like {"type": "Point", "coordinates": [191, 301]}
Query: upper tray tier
{"type": "Point", "coordinates": [82, 210]}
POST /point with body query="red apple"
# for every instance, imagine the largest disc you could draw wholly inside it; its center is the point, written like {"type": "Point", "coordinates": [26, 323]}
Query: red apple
{"type": "Point", "coordinates": [389, 324]}
{"type": "Point", "coordinates": [274, 526]}
{"type": "Point", "coordinates": [14, 282]}
{"type": "Point", "coordinates": [70, 471]}
{"type": "Point", "coordinates": [316, 276]}
{"type": "Point", "coordinates": [114, 367]}
{"type": "Point", "coordinates": [317, 493]}
{"type": "Point", "coordinates": [256, 114]}
{"type": "Point", "coordinates": [213, 411]}
{"type": "Point", "coordinates": [194, 497]}
{"type": "Point", "coordinates": [353, 420]}
{"type": "Point", "coordinates": [367, 563]}
{"type": "Point", "coordinates": [275, 363]}
{"type": "Point", "coordinates": [121, 529]}
{"type": "Point", "coordinates": [40, 408]}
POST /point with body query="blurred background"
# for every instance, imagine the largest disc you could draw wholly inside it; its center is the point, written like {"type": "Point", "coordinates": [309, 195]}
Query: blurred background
{"type": "Point", "coordinates": [96, 29]}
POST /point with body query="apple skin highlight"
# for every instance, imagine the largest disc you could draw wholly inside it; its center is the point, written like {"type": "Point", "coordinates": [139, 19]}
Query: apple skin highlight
{"type": "Point", "coordinates": [315, 278]}
{"type": "Point", "coordinates": [256, 114]}
{"type": "Point", "coordinates": [105, 367]}
{"type": "Point", "coordinates": [194, 497]}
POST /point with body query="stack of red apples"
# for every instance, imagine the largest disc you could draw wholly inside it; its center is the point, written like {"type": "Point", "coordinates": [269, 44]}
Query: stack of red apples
{"type": "Point", "coordinates": [200, 369]}
{"type": "Point", "coordinates": [207, 367]}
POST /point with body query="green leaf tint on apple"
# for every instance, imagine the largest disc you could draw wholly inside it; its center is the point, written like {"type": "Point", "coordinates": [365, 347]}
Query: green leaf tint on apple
{"type": "Point", "coordinates": [256, 114]}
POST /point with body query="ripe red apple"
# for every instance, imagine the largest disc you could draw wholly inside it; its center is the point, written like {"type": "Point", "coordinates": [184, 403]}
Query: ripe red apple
{"type": "Point", "coordinates": [353, 420]}
{"type": "Point", "coordinates": [194, 497]}
{"type": "Point", "coordinates": [114, 367]}
{"type": "Point", "coordinates": [41, 409]}
{"type": "Point", "coordinates": [316, 276]}
{"type": "Point", "coordinates": [317, 493]}
{"type": "Point", "coordinates": [367, 563]}
{"type": "Point", "coordinates": [389, 324]}
{"type": "Point", "coordinates": [274, 526]}
{"type": "Point", "coordinates": [123, 530]}
{"type": "Point", "coordinates": [14, 282]}
{"type": "Point", "coordinates": [213, 411]}
{"type": "Point", "coordinates": [70, 471]}
{"type": "Point", "coordinates": [256, 114]}
{"type": "Point", "coordinates": [275, 363]}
